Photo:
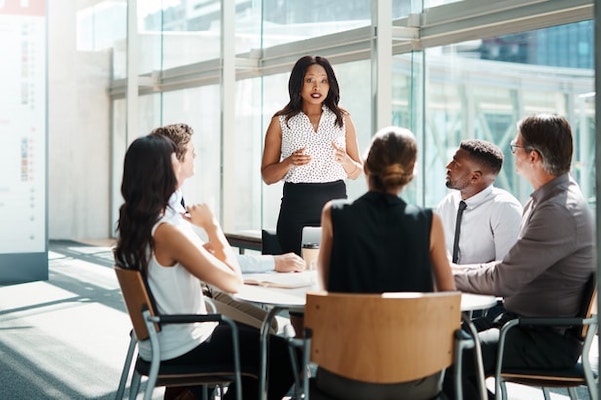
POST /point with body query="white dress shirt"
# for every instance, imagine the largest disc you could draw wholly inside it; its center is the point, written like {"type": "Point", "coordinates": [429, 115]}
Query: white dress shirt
{"type": "Point", "coordinates": [489, 227]}
{"type": "Point", "coordinates": [249, 263]}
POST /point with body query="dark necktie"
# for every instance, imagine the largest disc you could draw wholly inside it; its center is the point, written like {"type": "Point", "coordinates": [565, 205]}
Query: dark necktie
{"type": "Point", "coordinates": [462, 207]}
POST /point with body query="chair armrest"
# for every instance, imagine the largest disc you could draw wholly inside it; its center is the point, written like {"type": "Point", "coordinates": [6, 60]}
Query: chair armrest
{"type": "Point", "coordinates": [210, 304]}
{"type": "Point", "coordinates": [567, 321]}
{"type": "Point", "coordinates": [186, 318]}
{"type": "Point", "coordinates": [191, 318]}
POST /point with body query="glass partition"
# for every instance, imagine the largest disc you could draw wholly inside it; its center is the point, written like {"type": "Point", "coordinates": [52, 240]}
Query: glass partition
{"type": "Point", "coordinates": [200, 108]}
{"type": "Point", "coordinates": [476, 88]}
{"type": "Point", "coordinates": [176, 33]}
{"type": "Point", "coordinates": [470, 95]}
{"type": "Point", "coordinates": [103, 27]}
{"type": "Point", "coordinates": [290, 21]}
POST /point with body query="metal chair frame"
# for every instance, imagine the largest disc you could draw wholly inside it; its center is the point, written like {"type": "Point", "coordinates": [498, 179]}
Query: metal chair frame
{"type": "Point", "coordinates": [581, 374]}
{"type": "Point", "coordinates": [152, 323]}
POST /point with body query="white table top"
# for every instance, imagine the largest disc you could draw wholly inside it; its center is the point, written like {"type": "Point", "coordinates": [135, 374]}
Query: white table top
{"type": "Point", "coordinates": [295, 298]}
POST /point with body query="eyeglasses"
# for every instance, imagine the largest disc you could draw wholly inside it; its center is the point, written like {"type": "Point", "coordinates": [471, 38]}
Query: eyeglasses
{"type": "Point", "coordinates": [513, 145]}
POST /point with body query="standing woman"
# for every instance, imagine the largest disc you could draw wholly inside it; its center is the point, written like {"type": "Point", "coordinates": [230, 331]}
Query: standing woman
{"type": "Point", "coordinates": [312, 145]}
{"type": "Point", "coordinates": [173, 259]}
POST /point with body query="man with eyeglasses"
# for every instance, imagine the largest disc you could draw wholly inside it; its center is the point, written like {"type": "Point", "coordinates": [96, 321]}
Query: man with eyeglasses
{"type": "Point", "coordinates": [545, 272]}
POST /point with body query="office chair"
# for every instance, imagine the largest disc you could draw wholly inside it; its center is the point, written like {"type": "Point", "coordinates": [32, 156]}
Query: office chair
{"type": "Point", "coordinates": [375, 343]}
{"type": "Point", "coordinates": [584, 327]}
{"type": "Point", "coordinates": [146, 326]}
{"type": "Point", "coordinates": [269, 242]}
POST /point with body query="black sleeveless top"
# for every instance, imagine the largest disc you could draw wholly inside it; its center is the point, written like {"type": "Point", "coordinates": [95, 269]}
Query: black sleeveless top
{"type": "Point", "coordinates": [380, 244]}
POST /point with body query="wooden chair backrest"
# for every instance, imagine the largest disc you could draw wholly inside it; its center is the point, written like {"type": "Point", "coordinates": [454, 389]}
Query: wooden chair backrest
{"type": "Point", "coordinates": [589, 303]}
{"type": "Point", "coordinates": [136, 299]}
{"type": "Point", "coordinates": [383, 338]}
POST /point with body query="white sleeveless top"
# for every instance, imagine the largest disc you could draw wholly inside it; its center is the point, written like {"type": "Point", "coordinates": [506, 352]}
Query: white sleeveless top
{"type": "Point", "coordinates": [176, 291]}
{"type": "Point", "coordinates": [299, 133]}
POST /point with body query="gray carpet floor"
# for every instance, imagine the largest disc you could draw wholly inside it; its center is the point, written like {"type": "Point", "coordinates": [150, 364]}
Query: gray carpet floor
{"type": "Point", "coordinates": [66, 338]}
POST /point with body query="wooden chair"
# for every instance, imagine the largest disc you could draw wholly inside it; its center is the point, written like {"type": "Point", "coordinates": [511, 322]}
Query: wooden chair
{"type": "Point", "coordinates": [381, 339]}
{"type": "Point", "coordinates": [584, 327]}
{"type": "Point", "coordinates": [146, 326]}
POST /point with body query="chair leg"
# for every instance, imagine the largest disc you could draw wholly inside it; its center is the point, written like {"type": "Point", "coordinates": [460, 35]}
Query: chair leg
{"type": "Point", "coordinates": [592, 390]}
{"type": "Point", "coordinates": [503, 390]}
{"type": "Point", "coordinates": [149, 390]}
{"type": "Point", "coordinates": [295, 371]}
{"type": "Point", "coordinates": [135, 386]}
{"type": "Point", "coordinates": [573, 394]}
{"type": "Point", "coordinates": [546, 394]}
{"type": "Point", "coordinates": [218, 392]}
{"type": "Point", "coordinates": [126, 367]}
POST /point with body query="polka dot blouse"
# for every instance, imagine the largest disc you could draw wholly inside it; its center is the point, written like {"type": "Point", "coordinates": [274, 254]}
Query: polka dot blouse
{"type": "Point", "coordinates": [299, 133]}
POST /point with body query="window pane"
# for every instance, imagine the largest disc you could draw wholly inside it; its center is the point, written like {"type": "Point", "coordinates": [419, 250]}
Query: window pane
{"type": "Point", "coordinates": [402, 8]}
{"type": "Point", "coordinates": [200, 108]}
{"type": "Point", "coordinates": [103, 27]}
{"type": "Point", "coordinates": [481, 89]}
{"type": "Point", "coordinates": [289, 21]}
{"type": "Point", "coordinates": [175, 33]}
{"type": "Point", "coordinates": [247, 150]}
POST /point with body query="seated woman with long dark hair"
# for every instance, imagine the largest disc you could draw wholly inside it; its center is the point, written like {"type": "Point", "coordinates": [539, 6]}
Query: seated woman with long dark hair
{"type": "Point", "coordinates": [174, 259]}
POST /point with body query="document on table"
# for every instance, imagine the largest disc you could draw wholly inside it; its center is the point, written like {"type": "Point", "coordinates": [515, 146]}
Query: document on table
{"type": "Point", "coordinates": [289, 280]}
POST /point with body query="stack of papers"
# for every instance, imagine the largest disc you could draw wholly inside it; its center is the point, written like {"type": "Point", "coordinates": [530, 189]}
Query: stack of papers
{"type": "Point", "coordinates": [290, 280]}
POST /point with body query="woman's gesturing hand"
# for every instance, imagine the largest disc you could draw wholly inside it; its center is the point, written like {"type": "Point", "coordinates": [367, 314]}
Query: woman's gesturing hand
{"type": "Point", "coordinates": [299, 157]}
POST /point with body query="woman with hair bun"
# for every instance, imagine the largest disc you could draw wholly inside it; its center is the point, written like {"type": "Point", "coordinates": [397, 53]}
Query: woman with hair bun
{"type": "Point", "coordinates": [379, 243]}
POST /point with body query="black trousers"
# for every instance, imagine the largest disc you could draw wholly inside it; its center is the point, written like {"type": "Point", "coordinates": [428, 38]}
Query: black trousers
{"type": "Point", "coordinates": [524, 348]}
{"type": "Point", "coordinates": [218, 349]}
{"type": "Point", "coordinates": [301, 206]}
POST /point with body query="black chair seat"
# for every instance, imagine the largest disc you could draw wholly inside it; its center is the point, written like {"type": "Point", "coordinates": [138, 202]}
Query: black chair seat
{"type": "Point", "coordinates": [218, 373]}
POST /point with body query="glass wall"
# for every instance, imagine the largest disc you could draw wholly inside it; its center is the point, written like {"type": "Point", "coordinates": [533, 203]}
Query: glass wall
{"type": "Point", "coordinates": [468, 95]}
{"type": "Point", "coordinates": [292, 21]}
{"type": "Point", "coordinates": [199, 107]}
{"type": "Point", "coordinates": [449, 81]}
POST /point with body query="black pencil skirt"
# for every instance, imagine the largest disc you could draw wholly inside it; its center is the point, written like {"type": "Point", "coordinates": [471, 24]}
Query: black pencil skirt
{"type": "Point", "coordinates": [301, 206]}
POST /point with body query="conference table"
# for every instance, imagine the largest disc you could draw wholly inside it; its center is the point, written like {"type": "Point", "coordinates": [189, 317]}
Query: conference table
{"type": "Point", "coordinates": [275, 299]}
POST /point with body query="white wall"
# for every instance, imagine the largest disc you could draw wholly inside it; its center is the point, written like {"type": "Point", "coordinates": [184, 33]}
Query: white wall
{"type": "Point", "coordinates": [78, 132]}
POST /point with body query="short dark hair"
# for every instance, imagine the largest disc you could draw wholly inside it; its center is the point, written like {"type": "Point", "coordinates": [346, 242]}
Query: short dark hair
{"type": "Point", "coordinates": [485, 153]}
{"type": "Point", "coordinates": [551, 136]}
